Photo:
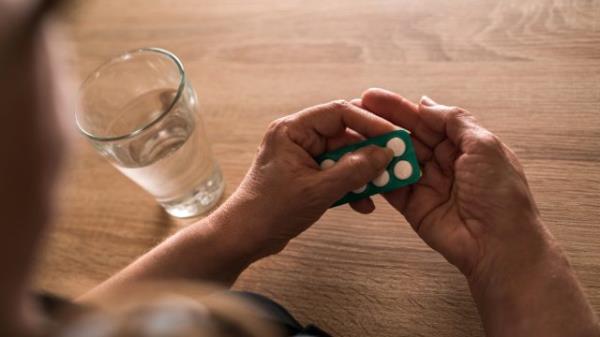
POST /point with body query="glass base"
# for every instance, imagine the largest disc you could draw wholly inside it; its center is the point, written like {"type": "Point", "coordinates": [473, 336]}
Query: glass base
{"type": "Point", "coordinates": [202, 199]}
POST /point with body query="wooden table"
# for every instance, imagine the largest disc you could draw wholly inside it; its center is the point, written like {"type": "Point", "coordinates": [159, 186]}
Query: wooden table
{"type": "Point", "coordinates": [529, 70]}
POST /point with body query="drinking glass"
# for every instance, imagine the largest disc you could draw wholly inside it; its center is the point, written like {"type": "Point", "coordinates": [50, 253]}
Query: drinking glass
{"type": "Point", "coordinates": [141, 113]}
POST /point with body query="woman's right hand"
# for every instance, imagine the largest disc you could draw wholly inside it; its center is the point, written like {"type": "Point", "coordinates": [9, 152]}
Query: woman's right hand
{"type": "Point", "coordinates": [474, 206]}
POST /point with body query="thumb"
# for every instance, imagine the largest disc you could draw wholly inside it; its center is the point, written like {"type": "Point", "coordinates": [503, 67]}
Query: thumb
{"type": "Point", "coordinates": [355, 169]}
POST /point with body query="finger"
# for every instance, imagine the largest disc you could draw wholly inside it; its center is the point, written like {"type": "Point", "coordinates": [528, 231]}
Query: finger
{"type": "Point", "coordinates": [401, 112]}
{"type": "Point", "coordinates": [445, 154]}
{"type": "Point", "coordinates": [398, 198]}
{"type": "Point", "coordinates": [416, 201]}
{"type": "Point", "coordinates": [422, 151]}
{"type": "Point", "coordinates": [329, 118]}
{"type": "Point", "coordinates": [454, 122]}
{"type": "Point", "coordinates": [355, 169]}
{"type": "Point", "coordinates": [357, 102]}
{"type": "Point", "coordinates": [310, 126]}
{"type": "Point", "coordinates": [431, 190]}
{"type": "Point", "coordinates": [347, 138]}
{"type": "Point", "coordinates": [392, 107]}
{"type": "Point", "coordinates": [364, 206]}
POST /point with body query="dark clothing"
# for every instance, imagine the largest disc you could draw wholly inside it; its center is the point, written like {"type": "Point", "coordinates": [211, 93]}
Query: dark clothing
{"type": "Point", "coordinates": [53, 306]}
{"type": "Point", "coordinates": [281, 316]}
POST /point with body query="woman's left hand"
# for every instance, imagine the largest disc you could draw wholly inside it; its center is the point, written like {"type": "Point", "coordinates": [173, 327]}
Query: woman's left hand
{"type": "Point", "coordinates": [285, 191]}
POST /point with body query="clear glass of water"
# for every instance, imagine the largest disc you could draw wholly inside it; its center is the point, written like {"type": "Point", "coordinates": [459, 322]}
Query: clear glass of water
{"type": "Point", "coordinates": [141, 113]}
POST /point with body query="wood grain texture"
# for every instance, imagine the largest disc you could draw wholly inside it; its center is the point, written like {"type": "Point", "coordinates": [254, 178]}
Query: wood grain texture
{"type": "Point", "coordinates": [529, 70]}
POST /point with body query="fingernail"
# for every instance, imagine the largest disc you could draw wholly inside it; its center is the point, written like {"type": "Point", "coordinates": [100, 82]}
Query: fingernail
{"type": "Point", "coordinates": [426, 101]}
{"type": "Point", "coordinates": [389, 152]}
{"type": "Point", "coordinates": [382, 155]}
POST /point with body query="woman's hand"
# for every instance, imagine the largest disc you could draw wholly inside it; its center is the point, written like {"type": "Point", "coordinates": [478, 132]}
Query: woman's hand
{"type": "Point", "coordinates": [285, 191]}
{"type": "Point", "coordinates": [473, 201]}
{"type": "Point", "coordinates": [474, 206]}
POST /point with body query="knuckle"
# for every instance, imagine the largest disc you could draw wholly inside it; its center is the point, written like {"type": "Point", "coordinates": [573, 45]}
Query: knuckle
{"type": "Point", "coordinates": [459, 113]}
{"type": "Point", "coordinates": [276, 128]}
{"type": "Point", "coordinates": [339, 104]}
{"type": "Point", "coordinates": [360, 169]}
{"type": "Point", "coordinates": [458, 110]}
{"type": "Point", "coordinates": [353, 160]}
{"type": "Point", "coordinates": [489, 141]}
{"type": "Point", "coordinates": [277, 124]}
{"type": "Point", "coordinates": [459, 116]}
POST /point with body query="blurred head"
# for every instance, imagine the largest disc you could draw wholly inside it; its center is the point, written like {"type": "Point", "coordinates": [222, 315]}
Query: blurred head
{"type": "Point", "coordinates": [34, 97]}
{"type": "Point", "coordinates": [30, 92]}
{"type": "Point", "coordinates": [30, 142]}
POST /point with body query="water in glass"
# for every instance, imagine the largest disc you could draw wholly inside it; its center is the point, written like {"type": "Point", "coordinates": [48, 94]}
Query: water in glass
{"type": "Point", "coordinates": [171, 159]}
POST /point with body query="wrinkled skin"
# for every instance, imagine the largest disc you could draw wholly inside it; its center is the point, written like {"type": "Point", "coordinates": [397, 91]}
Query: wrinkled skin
{"type": "Point", "coordinates": [473, 198]}
{"type": "Point", "coordinates": [472, 204]}
{"type": "Point", "coordinates": [286, 188]}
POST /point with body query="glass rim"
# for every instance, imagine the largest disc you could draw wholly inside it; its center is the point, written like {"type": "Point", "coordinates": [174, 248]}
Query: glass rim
{"type": "Point", "coordinates": [152, 122]}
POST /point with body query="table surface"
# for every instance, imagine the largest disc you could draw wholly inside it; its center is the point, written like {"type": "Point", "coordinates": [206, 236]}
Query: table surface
{"type": "Point", "coordinates": [529, 70]}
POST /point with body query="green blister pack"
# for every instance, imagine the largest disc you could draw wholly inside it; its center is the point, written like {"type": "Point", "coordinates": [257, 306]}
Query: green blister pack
{"type": "Point", "coordinates": [402, 171]}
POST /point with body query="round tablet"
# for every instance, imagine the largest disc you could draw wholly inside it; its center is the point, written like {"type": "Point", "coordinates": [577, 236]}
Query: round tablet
{"type": "Point", "coordinates": [327, 163]}
{"type": "Point", "coordinates": [382, 180]}
{"type": "Point", "coordinates": [397, 145]}
{"type": "Point", "coordinates": [360, 190]}
{"type": "Point", "coordinates": [403, 170]}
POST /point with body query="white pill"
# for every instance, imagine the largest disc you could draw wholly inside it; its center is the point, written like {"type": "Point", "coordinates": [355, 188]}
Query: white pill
{"type": "Point", "coordinates": [327, 163]}
{"type": "Point", "coordinates": [397, 145]}
{"type": "Point", "coordinates": [382, 180]}
{"type": "Point", "coordinates": [403, 170]}
{"type": "Point", "coordinates": [360, 190]}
